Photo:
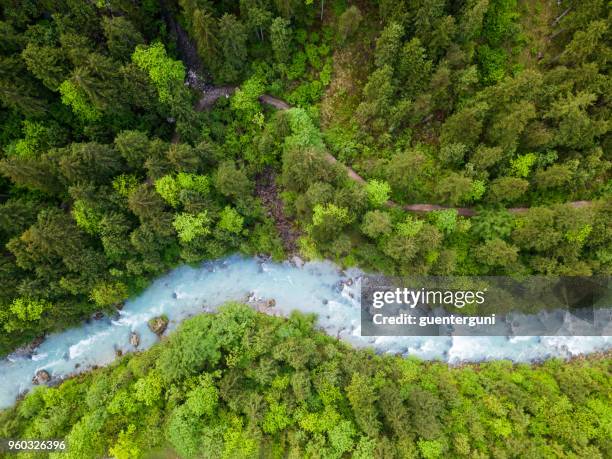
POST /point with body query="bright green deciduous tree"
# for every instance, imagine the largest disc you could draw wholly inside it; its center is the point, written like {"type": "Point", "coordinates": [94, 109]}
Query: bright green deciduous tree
{"type": "Point", "coordinates": [194, 182]}
{"type": "Point", "coordinates": [430, 449]}
{"type": "Point", "coordinates": [109, 293]}
{"type": "Point", "coordinates": [246, 98]}
{"type": "Point", "coordinates": [125, 447]}
{"type": "Point", "coordinates": [328, 221]}
{"type": "Point", "coordinates": [167, 187]}
{"type": "Point", "coordinates": [124, 184]}
{"type": "Point", "coordinates": [22, 311]}
{"type": "Point", "coordinates": [378, 192]}
{"type": "Point", "coordinates": [203, 400]}
{"type": "Point", "coordinates": [444, 220]}
{"type": "Point", "coordinates": [190, 226]}
{"type": "Point", "coordinates": [86, 217]}
{"type": "Point", "coordinates": [409, 227]}
{"type": "Point", "coordinates": [231, 221]}
{"type": "Point", "coordinates": [76, 99]}
{"type": "Point", "coordinates": [166, 74]}
{"type": "Point", "coordinates": [149, 389]}
{"type": "Point", "coordinates": [521, 165]}
{"type": "Point", "coordinates": [170, 187]}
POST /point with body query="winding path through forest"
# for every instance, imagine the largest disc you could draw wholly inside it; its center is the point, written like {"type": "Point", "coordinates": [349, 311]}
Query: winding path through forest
{"type": "Point", "coordinates": [212, 94]}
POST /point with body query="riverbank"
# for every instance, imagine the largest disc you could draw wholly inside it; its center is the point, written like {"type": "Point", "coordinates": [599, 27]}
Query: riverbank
{"type": "Point", "coordinates": [319, 288]}
{"type": "Point", "coordinates": [199, 389]}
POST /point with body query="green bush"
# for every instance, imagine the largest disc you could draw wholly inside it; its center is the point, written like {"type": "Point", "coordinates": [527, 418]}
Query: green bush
{"type": "Point", "coordinates": [239, 384]}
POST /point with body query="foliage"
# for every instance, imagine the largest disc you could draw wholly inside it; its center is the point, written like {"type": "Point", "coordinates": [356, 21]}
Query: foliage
{"type": "Point", "coordinates": [445, 220]}
{"type": "Point", "coordinates": [348, 23]}
{"type": "Point", "coordinates": [245, 99]}
{"type": "Point", "coordinates": [238, 384]}
{"type": "Point", "coordinates": [409, 227]}
{"type": "Point", "coordinates": [280, 38]}
{"type": "Point", "coordinates": [109, 293]}
{"type": "Point", "coordinates": [233, 48]}
{"type": "Point", "coordinates": [521, 166]}
{"type": "Point", "coordinates": [328, 220]}
{"type": "Point", "coordinates": [166, 73]}
{"type": "Point", "coordinates": [378, 192]}
{"type": "Point", "coordinates": [376, 223]}
{"type": "Point", "coordinates": [231, 221]}
{"type": "Point", "coordinates": [190, 226]}
{"type": "Point", "coordinates": [22, 311]}
{"type": "Point", "coordinates": [72, 96]}
{"type": "Point", "coordinates": [111, 174]}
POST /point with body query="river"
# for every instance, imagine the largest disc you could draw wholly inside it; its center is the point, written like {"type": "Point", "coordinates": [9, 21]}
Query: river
{"type": "Point", "coordinates": [318, 287]}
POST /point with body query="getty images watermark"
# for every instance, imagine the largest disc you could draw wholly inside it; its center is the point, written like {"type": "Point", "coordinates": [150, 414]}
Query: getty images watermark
{"type": "Point", "coordinates": [486, 306]}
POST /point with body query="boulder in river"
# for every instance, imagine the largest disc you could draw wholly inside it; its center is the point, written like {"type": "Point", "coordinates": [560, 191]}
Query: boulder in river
{"type": "Point", "coordinates": [270, 303]}
{"type": "Point", "coordinates": [158, 325]}
{"type": "Point", "coordinates": [297, 261]}
{"type": "Point", "coordinates": [41, 377]}
{"type": "Point", "coordinates": [134, 339]}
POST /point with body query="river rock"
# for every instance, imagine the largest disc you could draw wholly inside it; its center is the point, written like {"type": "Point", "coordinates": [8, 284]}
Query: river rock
{"type": "Point", "coordinates": [41, 377]}
{"type": "Point", "coordinates": [28, 350]}
{"type": "Point", "coordinates": [297, 261]}
{"type": "Point", "coordinates": [98, 315]}
{"type": "Point", "coordinates": [349, 281]}
{"type": "Point", "coordinates": [134, 339]}
{"type": "Point", "coordinates": [158, 325]}
{"type": "Point", "coordinates": [270, 303]}
{"type": "Point", "coordinates": [118, 352]}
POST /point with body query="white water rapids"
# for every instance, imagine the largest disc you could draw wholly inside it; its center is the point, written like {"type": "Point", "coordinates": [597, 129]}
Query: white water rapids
{"type": "Point", "coordinates": [316, 287]}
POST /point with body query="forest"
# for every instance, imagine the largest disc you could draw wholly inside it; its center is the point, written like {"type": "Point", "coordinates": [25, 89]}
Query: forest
{"type": "Point", "coordinates": [112, 173]}
{"type": "Point", "coordinates": [239, 384]}
{"type": "Point", "coordinates": [133, 139]}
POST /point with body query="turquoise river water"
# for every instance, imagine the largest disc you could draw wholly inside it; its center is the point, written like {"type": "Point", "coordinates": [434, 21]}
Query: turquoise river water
{"type": "Point", "coordinates": [317, 287]}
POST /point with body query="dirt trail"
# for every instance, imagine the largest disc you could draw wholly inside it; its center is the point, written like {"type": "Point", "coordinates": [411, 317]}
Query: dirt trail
{"type": "Point", "coordinates": [211, 95]}
{"type": "Point", "coordinates": [274, 102]}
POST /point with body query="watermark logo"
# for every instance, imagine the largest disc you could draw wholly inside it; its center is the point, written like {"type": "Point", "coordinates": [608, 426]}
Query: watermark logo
{"type": "Point", "coordinates": [486, 306]}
